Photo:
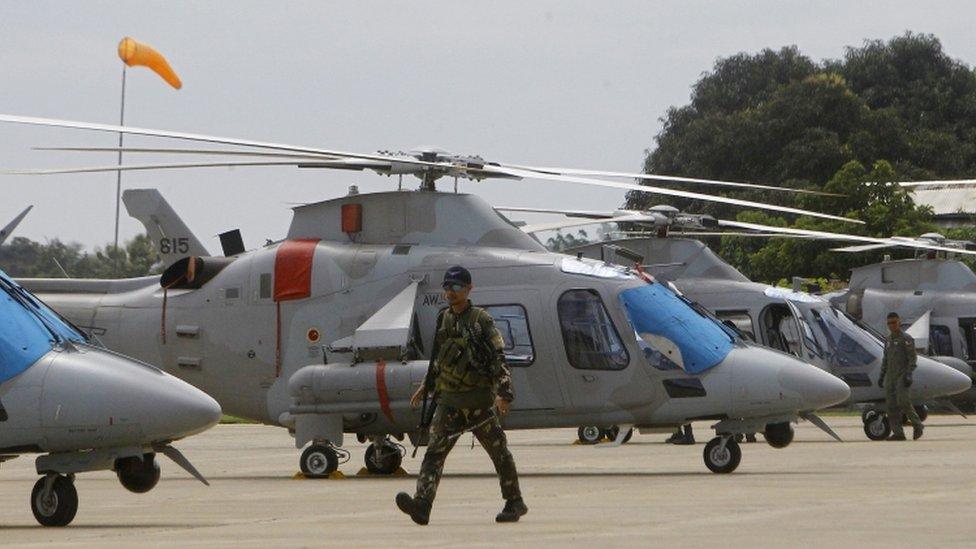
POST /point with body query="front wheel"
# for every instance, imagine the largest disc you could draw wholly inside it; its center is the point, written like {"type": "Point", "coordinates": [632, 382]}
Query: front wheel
{"type": "Point", "coordinates": [722, 460]}
{"type": "Point", "coordinates": [876, 427]}
{"type": "Point", "coordinates": [58, 508]}
{"type": "Point", "coordinates": [589, 434]}
{"type": "Point", "coordinates": [319, 461]}
{"type": "Point", "coordinates": [612, 433]}
{"type": "Point", "coordinates": [383, 460]}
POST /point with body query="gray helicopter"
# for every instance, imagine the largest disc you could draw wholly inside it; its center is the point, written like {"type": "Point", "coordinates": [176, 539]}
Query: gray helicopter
{"type": "Point", "coordinates": [85, 408]}
{"type": "Point", "coordinates": [326, 332]}
{"type": "Point", "coordinates": [934, 294]}
{"type": "Point", "coordinates": [792, 321]}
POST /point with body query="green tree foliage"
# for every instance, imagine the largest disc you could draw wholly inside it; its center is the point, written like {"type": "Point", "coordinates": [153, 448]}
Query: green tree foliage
{"type": "Point", "coordinates": [22, 257]}
{"type": "Point", "coordinates": [887, 111]}
{"type": "Point", "coordinates": [560, 241]}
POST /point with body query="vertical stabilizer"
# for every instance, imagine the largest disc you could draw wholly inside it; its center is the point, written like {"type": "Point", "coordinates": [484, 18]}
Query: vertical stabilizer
{"type": "Point", "coordinates": [171, 237]}
{"type": "Point", "coordinates": [5, 232]}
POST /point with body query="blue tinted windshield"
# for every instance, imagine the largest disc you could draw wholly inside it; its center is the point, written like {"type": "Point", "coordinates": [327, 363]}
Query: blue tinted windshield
{"type": "Point", "coordinates": [849, 345]}
{"type": "Point", "coordinates": [673, 331]}
{"type": "Point", "coordinates": [28, 329]}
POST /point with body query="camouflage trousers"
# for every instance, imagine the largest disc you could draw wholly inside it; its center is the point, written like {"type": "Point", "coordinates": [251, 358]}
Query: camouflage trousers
{"type": "Point", "coordinates": [898, 402]}
{"type": "Point", "coordinates": [445, 427]}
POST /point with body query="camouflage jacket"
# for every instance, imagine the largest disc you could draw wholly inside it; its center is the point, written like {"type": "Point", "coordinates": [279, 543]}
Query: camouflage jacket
{"type": "Point", "coordinates": [899, 354]}
{"type": "Point", "coordinates": [469, 361]}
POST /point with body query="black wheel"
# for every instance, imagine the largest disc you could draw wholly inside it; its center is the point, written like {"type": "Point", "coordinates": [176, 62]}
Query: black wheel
{"type": "Point", "coordinates": [612, 432]}
{"type": "Point", "coordinates": [866, 415]}
{"type": "Point", "coordinates": [739, 437]}
{"type": "Point", "coordinates": [319, 461]}
{"type": "Point", "coordinates": [589, 434]}
{"type": "Point", "coordinates": [386, 461]}
{"type": "Point", "coordinates": [922, 411]}
{"type": "Point", "coordinates": [877, 428]}
{"type": "Point", "coordinates": [779, 435]}
{"type": "Point", "coordinates": [138, 475]}
{"type": "Point", "coordinates": [722, 460]}
{"type": "Point", "coordinates": [59, 507]}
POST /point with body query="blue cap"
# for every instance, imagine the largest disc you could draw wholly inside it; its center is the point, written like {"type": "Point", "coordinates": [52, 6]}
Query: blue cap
{"type": "Point", "coordinates": [457, 274]}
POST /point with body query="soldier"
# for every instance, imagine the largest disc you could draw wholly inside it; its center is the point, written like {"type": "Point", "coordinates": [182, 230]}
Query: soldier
{"type": "Point", "coordinates": [896, 377]}
{"type": "Point", "coordinates": [472, 389]}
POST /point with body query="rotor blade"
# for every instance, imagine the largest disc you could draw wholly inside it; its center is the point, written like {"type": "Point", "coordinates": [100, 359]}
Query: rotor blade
{"type": "Point", "coordinates": [565, 224]}
{"type": "Point", "coordinates": [172, 453]}
{"type": "Point", "coordinates": [816, 420]}
{"type": "Point", "coordinates": [137, 167]}
{"type": "Point", "coordinates": [864, 248]}
{"type": "Point", "coordinates": [697, 234]}
{"type": "Point", "coordinates": [56, 123]}
{"type": "Point", "coordinates": [168, 150]}
{"type": "Point", "coordinates": [960, 182]}
{"type": "Point", "coordinates": [672, 178]}
{"type": "Point", "coordinates": [570, 213]}
{"type": "Point", "coordinates": [5, 232]}
{"type": "Point", "coordinates": [660, 190]}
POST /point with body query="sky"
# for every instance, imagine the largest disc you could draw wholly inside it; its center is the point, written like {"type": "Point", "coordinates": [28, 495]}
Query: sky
{"type": "Point", "coordinates": [549, 83]}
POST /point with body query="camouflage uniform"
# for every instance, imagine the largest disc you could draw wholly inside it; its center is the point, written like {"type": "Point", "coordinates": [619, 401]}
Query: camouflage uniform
{"type": "Point", "coordinates": [466, 386]}
{"type": "Point", "coordinates": [896, 370]}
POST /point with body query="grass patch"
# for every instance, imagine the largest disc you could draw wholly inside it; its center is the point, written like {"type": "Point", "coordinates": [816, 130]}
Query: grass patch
{"type": "Point", "coordinates": [234, 420]}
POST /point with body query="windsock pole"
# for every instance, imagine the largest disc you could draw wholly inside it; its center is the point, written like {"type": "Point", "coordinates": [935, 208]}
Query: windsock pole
{"type": "Point", "coordinates": [118, 174]}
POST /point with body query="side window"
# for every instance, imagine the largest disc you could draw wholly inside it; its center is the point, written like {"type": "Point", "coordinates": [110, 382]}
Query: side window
{"type": "Point", "coordinates": [940, 340]}
{"type": "Point", "coordinates": [591, 341]}
{"type": "Point", "coordinates": [741, 320]}
{"type": "Point", "coordinates": [512, 322]}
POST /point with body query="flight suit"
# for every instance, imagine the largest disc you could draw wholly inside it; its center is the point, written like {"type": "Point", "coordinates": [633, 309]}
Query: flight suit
{"type": "Point", "coordinates": [469, 372]}
{"type": "Point", "coordinates": [896, 370]}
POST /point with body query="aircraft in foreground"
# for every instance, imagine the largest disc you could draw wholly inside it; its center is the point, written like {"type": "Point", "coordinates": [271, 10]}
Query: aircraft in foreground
{"type": "Point", "coordinates": [326, 332]}
{"type": "Point", "coordinates": [84, 408]}
{"type": "Point", "coordinates": [791, 321]}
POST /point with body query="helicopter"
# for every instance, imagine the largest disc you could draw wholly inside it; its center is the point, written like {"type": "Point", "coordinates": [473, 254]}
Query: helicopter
{"type": "Point", "coordinates": [791, 321]}
{"type": "Point", "coordinates": [326, 332]}
{"type": "Point", "coordinates": [84, 408]}
{"type": "Point", "coordinates": [934, 294]}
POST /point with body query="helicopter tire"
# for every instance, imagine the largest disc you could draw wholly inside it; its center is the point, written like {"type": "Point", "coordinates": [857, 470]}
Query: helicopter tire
{"type": "Point", "coordinates": [779, 435]}
{"type": "Point", "coordinates": [877, 428]}
{"type": "Point", "coordinates": [922, 411]}
{"type": "Point", "coordinates": [60, 506]}
{"type": "Point", "coordinates": [138, 475]}
{"type": "Point", "coordinates": [722, 461]}
{"type": "Point", "coordinates": [589, 434]}
{"type": "Point", "coordinates": [388, 462]}
{"type": "Point", "coordinates": [612, 432]}
{"type": "Point", "coordinates": [319, 461]}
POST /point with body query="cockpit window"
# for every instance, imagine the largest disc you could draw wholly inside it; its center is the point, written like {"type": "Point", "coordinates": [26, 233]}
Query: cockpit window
{"type": "Point", "coordinates": [940, 341]}
{"type": "Point", "coordinates": [513, 324]}
{"type": "Point", "coordinates": [591, 341]}
{"type": "Point", "coordinates": [849, 346]}
{"type": "Point", "coordinates": [28, 329]}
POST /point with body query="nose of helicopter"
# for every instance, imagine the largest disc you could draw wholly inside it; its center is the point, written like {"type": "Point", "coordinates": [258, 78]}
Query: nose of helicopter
{"type": "Point", "coordinates": [766, 381]}
{"type": "Point", "coordinates": [933, 379]}
{"type": "Point", "coordinates": [129, 399]}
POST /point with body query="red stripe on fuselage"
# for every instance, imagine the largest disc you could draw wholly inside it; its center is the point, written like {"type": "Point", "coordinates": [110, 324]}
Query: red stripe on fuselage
{"type": "Point", "coordinates": [381, 390]}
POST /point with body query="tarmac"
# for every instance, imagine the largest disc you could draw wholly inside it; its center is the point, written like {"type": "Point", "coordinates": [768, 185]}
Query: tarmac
{"type": "Point", "coordinates": [816, 492]}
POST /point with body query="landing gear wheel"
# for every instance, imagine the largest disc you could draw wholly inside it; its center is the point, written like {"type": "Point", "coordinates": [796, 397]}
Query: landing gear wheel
{"type": "Point", "coordinates": [876, 427]}
{"type": "Point", "coordinates": [319, 461]}
{"type": "Point", "coordinates": [589, 434]}
{"type": "Point", "coordinates": [612, 433]}
{"type": "Point", "coordinates": [384, 459]}
{"type": "Point", "coordinates": [722, 460]}
{"type": "Point", "coordinates": [866, 415]}
{"type": "Point", "coordinates": [138, 475]}
{"type": "Point", "coordinates": [779, 435]}
{"type": "Point", "coordinates": [58, 508]}
{"type": "Point", "coordinates": [922, 411]}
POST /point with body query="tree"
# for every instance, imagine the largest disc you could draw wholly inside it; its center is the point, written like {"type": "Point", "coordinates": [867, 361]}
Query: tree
{"type": "Point", "coordinates": [887, 111]}
{"type": "Point", "coordinates": [25, 258]}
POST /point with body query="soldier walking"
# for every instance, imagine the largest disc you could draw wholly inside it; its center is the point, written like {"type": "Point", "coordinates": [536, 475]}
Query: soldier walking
{"type": "Point", "coordinates": [472, 388]}
{"type": "Point", "coordinates": [896, 377]}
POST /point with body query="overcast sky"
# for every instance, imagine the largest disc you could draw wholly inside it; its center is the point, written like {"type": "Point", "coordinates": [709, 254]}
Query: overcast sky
{"type": "Point", "coordinates": [575, 84]}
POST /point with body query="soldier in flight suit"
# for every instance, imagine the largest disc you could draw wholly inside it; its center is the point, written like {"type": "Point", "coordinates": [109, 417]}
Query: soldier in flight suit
{"type": "Point", "coordinates": [896, 377]}
{"type": "Point", "coordinates": [473, 389]}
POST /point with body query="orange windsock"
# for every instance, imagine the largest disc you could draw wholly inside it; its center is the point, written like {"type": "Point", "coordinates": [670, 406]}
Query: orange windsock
{"type": "Point", "coordinates": [133, 53]}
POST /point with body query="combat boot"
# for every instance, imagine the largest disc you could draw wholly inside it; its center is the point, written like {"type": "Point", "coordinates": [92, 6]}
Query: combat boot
{"type": "Point", "coordinates": [514, 508]}
{"type": "Point", "coordinates": [917, 431]}
{"type": "Point", "coordinates": [418, 509]}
